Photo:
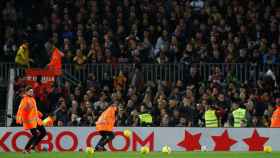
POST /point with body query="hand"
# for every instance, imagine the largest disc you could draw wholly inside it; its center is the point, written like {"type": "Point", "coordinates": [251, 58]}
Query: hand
{"type": "Point", "coordinates": [18, 121]}
{"type": "Point", "coordinates": [40, 115]}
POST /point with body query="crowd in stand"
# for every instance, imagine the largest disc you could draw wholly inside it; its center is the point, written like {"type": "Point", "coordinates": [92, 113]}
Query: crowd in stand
{"type": "Point", "coordinates": [180, 103]}
{"type": "Point", "coordinates": [149, 31]}
{"type": "Point", "coordinates": [140, 31]}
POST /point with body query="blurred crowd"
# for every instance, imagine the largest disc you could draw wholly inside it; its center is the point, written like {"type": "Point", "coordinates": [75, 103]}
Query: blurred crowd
{"type": "Point", "coordinates": [180, 103]}
{"type": "Point", "coordinates": [140, 31]}
{"type": "Point", "coordinates": [147, 31]}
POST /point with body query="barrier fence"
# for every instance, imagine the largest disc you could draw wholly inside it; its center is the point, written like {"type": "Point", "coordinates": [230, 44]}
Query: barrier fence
{"type": "Point", "coordinates": [242, 72]}
{"type": "Point", "coordinates": [181, 139]}
{"type": "Point", "coordinates": [3, 117]}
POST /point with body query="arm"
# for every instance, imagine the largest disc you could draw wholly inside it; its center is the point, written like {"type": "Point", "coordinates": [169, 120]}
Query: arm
{"type": "Point", "coordinates": [19, 112]}
{"type": "Point", "coordinates": [89, 54]}
{"type": "Point", "coordinates": [20, 53]}
{"type": "Point", "coordinates": [40, 115]}
{"type": "Point", "coordinates": [61, 53]}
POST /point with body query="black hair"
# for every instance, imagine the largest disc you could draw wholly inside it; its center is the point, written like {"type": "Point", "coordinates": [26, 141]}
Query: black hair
{"type": "Point", "coordinates": [27, 88]}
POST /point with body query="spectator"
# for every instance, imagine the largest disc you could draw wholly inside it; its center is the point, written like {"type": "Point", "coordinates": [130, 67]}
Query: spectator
{"type": "Point", "coordinates": [272, 57]}
{"type": "Point", "coordinates": [189, 33]}
{"type": "Point", "coordinates": [74, 120]}
{"type": "Point", "coordinates": [101, 104]}
{"type": "Point", "coordinates": [92, 81]}
{"type": "Point", "coordinates": [10, 49]}
{"type": "Point", "coordinates": [62, 115]}
{"type": "Point", "coordinates": [22, 58]}
{"type": "Point", "coordinates": [79, 59]}
{"type": "Point", "coordinates": [120, 81]}
{"type": "Point", "coordinates": [144, 37]}
{"type": "Point", "coordinates": [136, 79]}
{"type": "Point", "coordinates": [56, 61]}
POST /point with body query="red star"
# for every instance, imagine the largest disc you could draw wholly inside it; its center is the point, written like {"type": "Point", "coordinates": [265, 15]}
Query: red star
{"type": "Point", "coordinates": [223, 142]}
{"type": "Point", "coordinates": [255, 142]}
{"type": "Point", "coordinates": [190, 142]}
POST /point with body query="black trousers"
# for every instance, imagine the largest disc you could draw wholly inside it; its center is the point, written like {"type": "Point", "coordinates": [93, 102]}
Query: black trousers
{"type": "Point", "coordinates": [106, 136]}
{"type": "Point", "coordinates": [38, 134]}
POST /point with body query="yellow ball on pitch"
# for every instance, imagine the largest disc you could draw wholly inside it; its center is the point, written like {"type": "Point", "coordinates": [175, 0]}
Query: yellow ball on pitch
{"type": "Point", "coordinates": [144, 150]}
{"type": "Point", "coordinates": [89, 150]}
{"type": "Point", "coordinates": [166, 149]}
{"type": "Point", "coordinates": [267, 149]}
{"type": "Point", "coordinates": [127, 133]}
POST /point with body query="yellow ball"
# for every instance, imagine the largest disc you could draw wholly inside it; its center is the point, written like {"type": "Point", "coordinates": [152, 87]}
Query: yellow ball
{"type": "Point", "coordinates": [267, 149]}
{"type": "Point", "coordinates": [89, 150]}
{"type": "Point", "coordinates": [127, 133]}
{"type": "Point", "coordinates": [166, 149]}
{"type": "Point", "coordinates": [144, 150]}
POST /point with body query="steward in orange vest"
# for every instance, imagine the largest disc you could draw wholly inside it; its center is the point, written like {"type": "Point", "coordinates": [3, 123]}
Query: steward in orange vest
{"type": "Point", "coordinates": [30, 117]}
{"type": "Point", "coordinates": [105, 125]}
{"type": "Point", "coordinates": [56, 63]}
{"type": "Point", "coordinates": [275, 119]}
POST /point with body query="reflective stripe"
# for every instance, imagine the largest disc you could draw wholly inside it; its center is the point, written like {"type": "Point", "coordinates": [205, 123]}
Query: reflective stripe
{"type": "Point", "coordinates": [30, 121]}
{"type": "Point", "coordinates": [276, 117]}
{"type": "Point", "coordinates": [147, 118]}
{"type": "Point", "coordinates": [211, 122]}
{"type": "Point", "coordinates": [214, 123]}
{"type": "Point", "coordinates": [210, 119]}
{"type": "Point", "coordinates": [239, 115]}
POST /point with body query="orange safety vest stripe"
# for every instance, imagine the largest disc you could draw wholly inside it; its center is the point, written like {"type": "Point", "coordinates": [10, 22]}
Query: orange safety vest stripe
{"type": "Point", "coordinates": [30, 121]}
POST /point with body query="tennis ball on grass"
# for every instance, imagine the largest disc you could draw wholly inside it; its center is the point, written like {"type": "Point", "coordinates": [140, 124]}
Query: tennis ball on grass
{"type": "Point", "coordinates": [144, 150]}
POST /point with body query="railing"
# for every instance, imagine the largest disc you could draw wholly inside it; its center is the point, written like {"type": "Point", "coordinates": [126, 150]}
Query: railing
{"type": "Point", "coordinates": [242, 72]}
{"type": "Point", "coordinates": [149, 71]}
{"type": "Point", "coordinates": [4, 71]}
{"type": "Point", "coordinates": [3, 117]}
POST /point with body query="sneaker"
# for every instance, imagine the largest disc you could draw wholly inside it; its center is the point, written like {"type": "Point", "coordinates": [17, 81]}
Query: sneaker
{"type": "Point", "coordinates": [33, 151]}
{"type": "Point", "coordinates": [100, 148]}
{"type": "Point", "coordinates": [26, 151]}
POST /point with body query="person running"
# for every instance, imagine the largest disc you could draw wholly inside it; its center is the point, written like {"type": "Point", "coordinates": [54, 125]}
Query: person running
{"type": "Point", "coordinates": [105, 125]}
{"type": "Point", "coordinates": [30, 117]}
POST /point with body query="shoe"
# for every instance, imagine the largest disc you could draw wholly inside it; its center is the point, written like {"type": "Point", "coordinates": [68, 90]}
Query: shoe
{"type": "Point", "coordinates": [100, 148]}
{"type": "Point", "coordinates": [26, 151]}
{"type": "Point", "coordinates": [33, 151]}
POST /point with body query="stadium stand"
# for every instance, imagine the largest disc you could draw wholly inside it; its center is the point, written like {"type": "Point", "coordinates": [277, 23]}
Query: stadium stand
{"type": "Point", "coordinates": [172, 59]}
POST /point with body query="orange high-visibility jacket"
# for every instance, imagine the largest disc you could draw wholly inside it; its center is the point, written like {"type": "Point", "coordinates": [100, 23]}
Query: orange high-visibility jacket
{"type": "Point", "coordinates": [28, 114]}
{"type": "Point", "coordinates": [275, 119]}
{"type": "Point", "coordinates": [107, 119]}
{"type": "Point", "coordinates": [55, 62]}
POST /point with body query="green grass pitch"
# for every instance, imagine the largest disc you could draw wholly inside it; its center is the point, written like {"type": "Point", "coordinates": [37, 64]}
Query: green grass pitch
{"type": "Point", "coordinates": [138, 155]}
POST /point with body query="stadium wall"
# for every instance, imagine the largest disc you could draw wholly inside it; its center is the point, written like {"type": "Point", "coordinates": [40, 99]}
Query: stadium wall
{"type": "Point", "coordinates": [178, 138]}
